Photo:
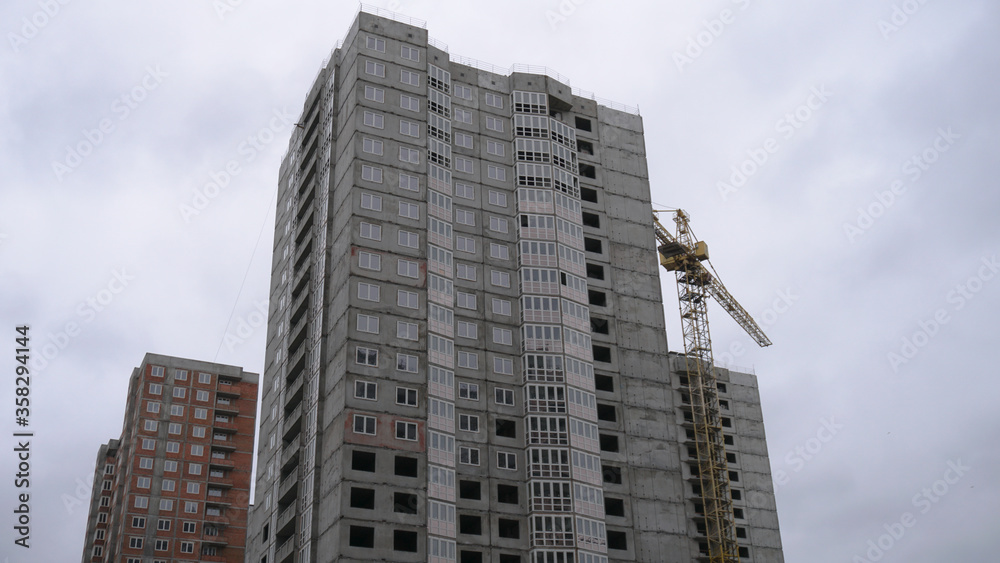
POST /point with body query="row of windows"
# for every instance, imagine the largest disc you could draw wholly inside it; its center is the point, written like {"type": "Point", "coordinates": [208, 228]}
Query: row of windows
{"type": "Point", "coordinates": [182, 375]}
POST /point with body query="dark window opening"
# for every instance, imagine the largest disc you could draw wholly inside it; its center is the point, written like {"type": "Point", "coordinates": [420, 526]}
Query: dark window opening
{"type": "Point", "coordinates": [597, 298]}
{"type": "Point", "coordinates": [470, 490]}
{"type": "Point", "coordinates": [506, 428]}
{"type": "Point", "coordinates": [403, 540]}
{"type": "Point", "coordinates": [404, 503]}
{"type": "Point", "coordinates": [744, 552]}
{"type": "Point", "coordinates": [602, 354]}
{"type": "Point", "coordinates": [363, 461]}
{"type": "Point", "coordinates": [508, 528]}
{"type": "Point", "coordinates": [470, 557]}
{"type": "Point", "coordinates": [617, 540]}
{"type": "Point", "coordinates": [738, 513]}
{"type": "Point", "coordinates": [588, 194]}
{"type": "Point", "coordinates": [406, 466]}
{"type": "Point", "coordinates": [582, 123]}
{"type": "Point", "coordinates": [598, 326]}
{"type": "Point", "coordinates": [507, 558]}
{"type": "Point", "coordinates": [604, 383]}
{"type": "Point", "coordinates": [586, 147]}
{"type": "Point", "coordinates": [606, 412]}
{"type": "Point", "coordinates": [614, 506]}
{"type": "Point", "coordinates": [592, 245]}
{"type": "Point", "coordinates": [609, 443]}
{"type": "Point", "coordinates": [741, 532]}
{"type": "Point", "coordinates": [737, 494]}
{"type": "Point", "coordinates": [362, 536]}
{"type": "Point", "coordinates": [689, 433]}
{"type": "Point", "coordinates": [507, 494]}
{"type": "Point", "coordinates": [588, 171]}
{"type": "Point", "coordinates": [362, 498]}
{"type": "Point", "coordinates": [692, 452]}
{"type": "Point", "coordinates": [721, 387]}
{"type": "Point", "coordinates": [734, 476]}
{"type": "Point", "coordinates": [727, 422]}
{"type": "Point", "coordinates": [612, 474]}
{"type": "Point", "coordinates": [266, 532]}
{"type": "Point", "coordinates": [727, 440]}
{"type": "Point", "coordinates": [595, 272]}
{"type": "Point", "coordinates": [591, 220]}
{"type": "Point", "coordinates": [472, 525]}
{"type": "Point", "coordinates": [731, 458]}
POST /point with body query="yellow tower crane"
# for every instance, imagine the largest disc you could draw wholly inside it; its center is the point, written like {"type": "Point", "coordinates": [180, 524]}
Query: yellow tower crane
{"type": "Point", "coordinates": [684, 255]}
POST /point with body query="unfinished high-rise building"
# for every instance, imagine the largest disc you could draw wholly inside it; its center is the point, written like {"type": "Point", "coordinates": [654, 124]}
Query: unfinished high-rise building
{"type": "Point", "coordinates": [466, 355]}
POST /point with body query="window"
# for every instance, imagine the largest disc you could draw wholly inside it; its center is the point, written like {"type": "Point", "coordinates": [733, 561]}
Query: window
{"type": "Point", "coordinates": [150, 425]}
{"type": "Point", "coordinates": [362, 498]}
{"type": "Point", "coordinates": [371, 201]}
{"type": "Point", "coordinates": [138, 522]}
{"type": "Point", "coordinates": [506, 460]}
{"type": "Point", "coordinates": [170, 465]}
{"type": "Point", "coordinates": [409, 155]}
{"type": "Point", "coordinates": [409, 103]}
{"type": "Point", "coordinates": [152, 407]}
{"type": "Point", "coordinates": [468, 391]}
{"type": "Point", "coordinates": [194, 469]}
{"type": "Point", "coordinates": [501, 307]}
{"type": "Point", "coordinates": [498, 224]}
{"type": "Point", "coordinates": [168, 485]}
{"type": "Point", "coordinates": [406, 430]}
{"type": "Point", "coordinates": [408, 239]}
{"type": "Point", "coordinates": [407, 268]}
{"type": "Point", "coordinates": [179, 374]}
{"type": "Point", "coordinates": [406, 396]}
{"type": "Point", "coordinates": [198, 431]}
{"type": "Point", "coordinates": [180, 392]}
{"type": "Point", "coordinates": [197, 450]}
{"type": "Point", "coordinates": [155, 388]}
{"type": "Point", "coordinates": [409, 210]}
{"type": "Point", "coordinates": [376, 120]}
{"type": "Point", "coordinates": [367, 390]}
{"type": "Point", "coordinates": [205, 378]}
{"type": "Point", "coordinates": [498, 251]}
{"type": "Point", "coordinates": [363, 461]}
{"type": "Point", "coordinates": [187, 547]}
{"type": "Point", "coordinates": [408, 77]}
{"type": "Point", "coordinates": [463, 164]}
{"type": "Point", "coordinates": [368, 291]}
{"type": "Point", "coordinates": [409, 53]}
{"type": "Point", "coordinates": [462, 115]}
{"type": "Point", "coordinates": [366, 356]}
{"type": "Point", "coordinates": [173, 447]}
{"type": "Point", "coordinates": [465, 300]}
{"type": "Point", "coordinates": [406, 466]}
{"type": "Point", "coordinates": [468, 423]}
{"type": "Point", "coordinates": [498, 198]}
{"type": "Point", "coordinates": [193, 488]}
{"type": "Point", "coordinates": [464, 191]}
{"type": "Point", "coordinates": [145, 463]}
{"type": "Point", "coordinates": [374, 94]}
{"type": "Point", "coordinates": [201, 414]}
{"type": "Point", "coordinates": [135, 543]}
{"type": "Point", "coordinates": [369, 261]}
{"type": "Point", "coordinates": [495, 148]}
{"type": "Point", "coordinates": [468, 456]}
{"type": "Point", "coordinates": [367, 323]}
{"type": "Point", "coordinates": [141, 502]}
{"type": "Point", "coordinates": [176, 410]}
{"type": "Point", "coordinates": [408, 182]}
{"type": "Point", "coordinates": [406, 299]}
{"type": "Point", "coordinates": [467, 330]}
{"type": "Point", "coordinates": [406, 331]}
{"type": "Point", "coordinates": [141, 482]}
{"type": "Point", "coordinates": [503, 396]}
{"type": "Point", "coordinates": [465, 244]}
{"type": "Point", "coordinates": [201, 395]}
{"type": "Point", "coordinates": [502, 336]}
{"type": "Point", "coordinates": [496, 173]}
{"type": "Point", "coordinates": [463, 140]}
{"type": "Point", "coordinates": [494, 100]}
{"type": "Point", "coordinates": [370, 231]}
{"type": "Point", "coordinates": [468, 360]}
{"type": "Point", "coordinates": [463, 92]}
{"type": "Point", "coordinates": [494, 124]}
{"type": "Point", "coordinates": [364, 424]}
{"type": "Point", "coordinates": [465, 217]}
{"type": "Point", "coordinates": [503, 366]}
{"type": "Point", "coordinates": [375, 69]}
{"type": "Point", "coordinates": [375, 44]}
{"type": "Point", "coordinates": [465, 272]}
{"type": "Point", "coordinates": [409, 128]}
{"type": "Point", "coordinates": [499, 279]}
{"type": "Point", "coordinates": [372, 146]}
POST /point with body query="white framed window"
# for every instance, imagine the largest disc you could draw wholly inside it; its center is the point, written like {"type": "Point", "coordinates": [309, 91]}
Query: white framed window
{"type": "Point", "coordinates": [374, 94]}
{"type": "Point", "coordinates": [367, 390]}
{"type": "Point", "coordinates": [499, 279]}
{"type": "Point", "coordinates": [465, 272]}
{"type": "Point", "coordinates": [371, 231]}
{"type": "Point", "coordinates": [371, 174]}
{"type": "Point", "coordinates": [468, 423]}
{"type": "Point", "coordinates": [190, 527]}
{"type": "Point", "coordinates": [366, 356]}
{"type": "Point", "coordinates": [367, 323]}
{"type": "Point", "coordinates": [406, 430]}
{"type": "Point", "coordinates": [187, 547]}
{"type": "Point", "coordinates": [409, 210]}
{"type": "Point", "coordinates": [465, 244]}
{"type": "Point", "coordinates": [499, 251]}
{"type": "Point", "coordinates": [494, 100]}
{"type": "Point", "coordinates": [168, 485]}
{"type": "Point", "coordinates": [138, 522]}
{"type": "Point", "coordinates": [143, 482]}
{"type": "Point", "coordinates": [407, 268]}
{"type": "Point", "coordinates": [406, 396]}
{"type": "Point", "coordinates": [409, 77]}
{"type": "Point", "coordinates": [173, 447]}
{"type": "Point", "coordinates": [148, 444]}
{"type": "Point", "coordinates": [408, 182]}
{"type": "Point", "coordinates": [375, 43]}
{"type": "Point", "coordinates": [201, 395]}
{"type": "Point", "coordinates": [150, 425]}
{"type": "Point", "coordinates": [409, 103]}
{"type": "Point", "coordinates": [465, 217]}
{"type": "Point", "coordinates": [502, 336]}
{"type": "Point", "coordinates": [369, 261]}
{"type": "Point", "coordinates": [162, 545]}
{"type": "Point", "coordinates": [142, 502]}
{"type": "Point", "coordinates": [465, 116]}
{"type": "Point", "coordinates": [364, 424]}
{"type": "Point", "coordinates": [469, 360]}
{"type": "Point", "coordinates": [406, 331]}
{"type": "Point", "coordinates": [465, 300]}
{"type": "Point", "coordinates": [174, 428]}
{"type": "Point", "coordinates": [468, 391]}
{"type": "Point", "coordinates": [369, 291]}
{"type": "Point", "coordinates": [494, 124]}
{"type": "Point", "coordinates": [170, 466]}
{"type": "Point", "coordinates": [155, 388]}
{"type": "Point", "coordinates": [198, 431]}
{"type": "Point", "coordinates": [191, 507]}
{"type": "Point", "coordinates": [407, 363]}
{"type": "Point", "coordinates": [375, 69]}
{"type": "Point", "coordinates": [197, 450]}
{"type": "Point", "coordinates": [464, 191]}
{"type": "Point", "coordinates": [496, 173]}
{"type": "Point", "coordinates": [135, 542]}
{"type": "Point", "coordinates": [503, 396]}
{"type": "Point", "coordinates": [409, 53]}
{"type": "Point", "coordinates": [376, 120]}
{"type": "Point", "coordinates": [507, 460]}
{"type": "Point", "coordinates": [409, 155]}
{"type": "Point", "coordinates": [467, 330]}
{"type": "Point", "coordinates": [99, 551]}
{"type": "Point", "coordinates": [408, 299]}
{"type": "Point", "coordinates": [463, 164]}
{"type": "Point", "coordinates": [372, 146]}
{"type": "Point", "coordinates": [409, 128]}
{"type": "Point", "coordinates": [495, 148]}
{"type": "Point", "coordinates": [463, 140]}
{"type": "Point", "coordinates": [499, 224]}
{"type": "Point", "coordinates": [468, 456]}
{"type": "Point", "coordinates": [193, 488]}
{"type": "Point", "coordinates": [176, 410]}
{"type": "Point", "coordinates": [180, 392]}
{"type": "Point", "coordinates": [463, 92]}
{"type": "Point", "coordinates": [371, 201]}
{"type": "Point", "coordinates": [408, 239]}
{"type": "Point", "coordinates": [498, 198]}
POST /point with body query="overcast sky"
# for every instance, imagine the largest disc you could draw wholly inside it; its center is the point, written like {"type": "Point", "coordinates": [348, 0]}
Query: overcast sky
{"type": "Point", "coordinates": [840, 158]}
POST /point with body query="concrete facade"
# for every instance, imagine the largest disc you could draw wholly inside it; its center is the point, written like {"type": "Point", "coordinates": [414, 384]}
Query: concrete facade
{"type": "Point", "coordinates": [467, 358]}
{"type": "Point", "coordinates": [175, 487]}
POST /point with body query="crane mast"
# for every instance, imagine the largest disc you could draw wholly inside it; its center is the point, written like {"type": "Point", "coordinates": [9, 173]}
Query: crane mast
{"type": "Point", "coordinates": [683, 254]}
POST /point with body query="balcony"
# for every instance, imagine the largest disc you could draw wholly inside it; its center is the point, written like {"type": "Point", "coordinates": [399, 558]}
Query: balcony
{"type": "Point", "coordinates": [221, 481]}
{"type": "Point", "coordinates": [293, 393]}
{"type": "Point", "coordinates": [286, 551]}
{"type": "Point", "coordinates": [226, 405]}
{"type": "Point", "coordinates": [221, 462]}
{"type": "Point", "coordinates": [289, 486]}
{"type": "Point", "coordinates": [290, 455]}
{"type": "Point", "coordinates": [286, 521]}
{"type": "Point", "coordinates": [293, 423]}
{"type": "Point", "coordinates": [224, 426]}
{"type": "Point", "coordinates": [226, 445]}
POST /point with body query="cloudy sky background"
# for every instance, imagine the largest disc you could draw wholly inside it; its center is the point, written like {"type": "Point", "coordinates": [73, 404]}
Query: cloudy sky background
{"type": "Point", "coordinates": [837, 268]}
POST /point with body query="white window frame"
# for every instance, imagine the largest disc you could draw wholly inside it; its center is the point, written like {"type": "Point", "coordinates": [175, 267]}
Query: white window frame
{"type": "Point", "coordinates": [364, 424]}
